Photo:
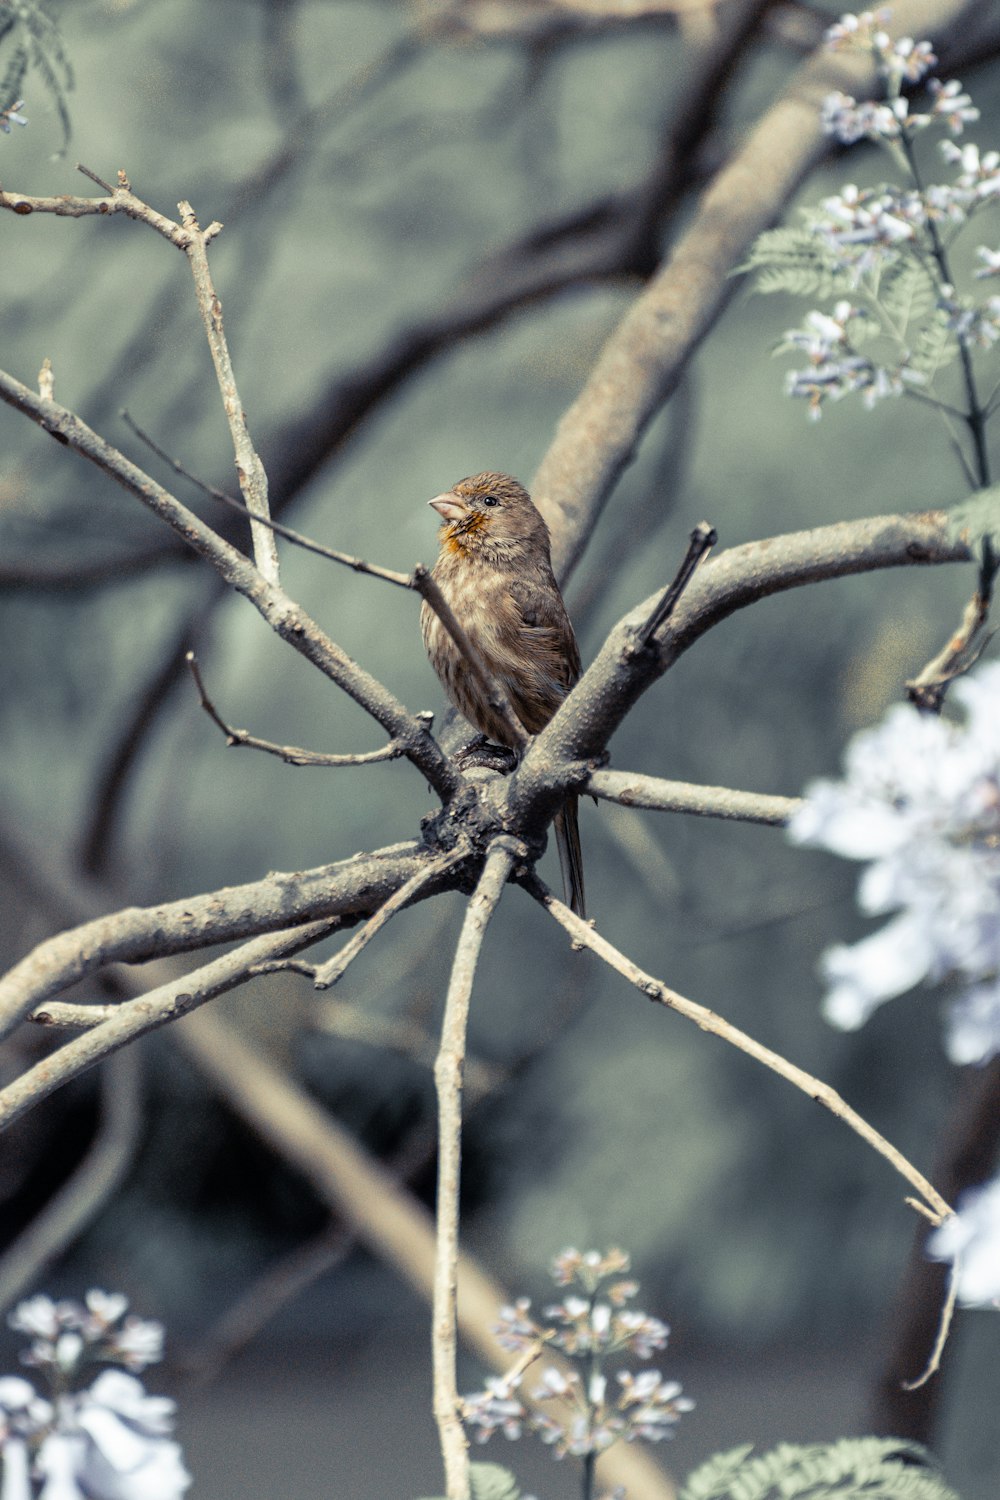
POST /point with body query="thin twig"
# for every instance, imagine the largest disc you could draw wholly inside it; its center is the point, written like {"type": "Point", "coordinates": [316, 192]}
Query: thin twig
{"type": "Point", "coordinates": [961, 652]}
{"type": "Point", "coordinates": [249, 468]}
{"type": "Point", "coordinates": [631, 789]}
{"type": "Point", "coordinates": [120, 199]}
{"type": "Point", "coordinates": [703, 539]}
{"type": "Point", "coordinates": [325, 976]}
{"type": "Point", "coordinates": [944, 1328]}
{"type": "Point", "coordinates": [448, 1070]}
{"type": "Point", "coordinates": [584, 935]}
{"type": "Point", "coordinates": [297, 538]}
{"type": "Point", "coordinates": [292, 755]}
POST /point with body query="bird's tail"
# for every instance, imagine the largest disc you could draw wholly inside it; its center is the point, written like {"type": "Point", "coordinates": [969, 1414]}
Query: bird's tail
{"type": "Point", "coordinates": [567, 832]}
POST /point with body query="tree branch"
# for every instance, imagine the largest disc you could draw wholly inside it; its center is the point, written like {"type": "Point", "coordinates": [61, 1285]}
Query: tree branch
{"type": "Point", "coordinates": [583, 935]}
{"type": "Point", "coordinates": [167, 1002]}
{"type": "Point", "coordinates": [448, 1075]}
{"type": "Point", "coordinates": [345, 890]}
{"type": "Point", "coordinates": [631, 789]}
{"type": "Point", "coordinates": [284, 616]}
{"type": "Point", "coordinates": [249, 469]}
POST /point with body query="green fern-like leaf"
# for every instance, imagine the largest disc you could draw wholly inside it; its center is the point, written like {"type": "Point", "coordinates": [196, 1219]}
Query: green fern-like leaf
{"type": "Point", "coordinates": [491, 1482]}
{"type": "Point", "coordinates": [795, 261]}
{"type": "Point", "coordinates": [934, 347]}
{"type": "Point", "coordinates": [907, 295]}
{"type": "Point", "coordinates": [851, 1469]}
{"type": "Point", "coordinates": [35, 43]}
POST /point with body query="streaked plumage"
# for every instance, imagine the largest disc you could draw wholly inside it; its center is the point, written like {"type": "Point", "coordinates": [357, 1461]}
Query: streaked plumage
{"type": "Point", "coordinates": [495, 571]}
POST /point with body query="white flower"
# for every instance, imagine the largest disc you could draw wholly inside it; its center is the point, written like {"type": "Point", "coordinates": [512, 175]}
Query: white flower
{"type": "Point", "coordinates": [920, 802]}
{"type": "Point", "coordinates": [971, 1239]}
{"type": "Point", "coordinates": [111, 1442]}
{"type": "Point", "coordinates": [38, 1316]}
{"type": "Point", "coordinates": [972, 1025]}
{"type": "Point", "coordinates": [106, 1307]}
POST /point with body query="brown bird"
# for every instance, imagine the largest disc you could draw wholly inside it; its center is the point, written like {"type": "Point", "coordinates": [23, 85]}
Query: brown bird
{"type": "Point", "coordinates": [495, 571]}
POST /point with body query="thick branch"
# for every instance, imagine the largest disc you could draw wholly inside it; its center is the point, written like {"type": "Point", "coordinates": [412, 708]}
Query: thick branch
{"type": "Point", "coordinates": [350, 888]}
{"type": "Point", "coordinates": [731, 580]}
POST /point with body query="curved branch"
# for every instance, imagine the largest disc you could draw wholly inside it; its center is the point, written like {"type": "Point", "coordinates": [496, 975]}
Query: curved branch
{"type": "Point", "coordinates": [731, 580]}
{"type": "Point", "coordinates": [167, 1002]}
{"type": "Point", "coordinates": [583, 935]}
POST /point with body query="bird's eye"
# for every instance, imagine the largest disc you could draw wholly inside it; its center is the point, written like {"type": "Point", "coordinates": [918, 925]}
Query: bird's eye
{"type": "Point", "coordinates": [490, 500]}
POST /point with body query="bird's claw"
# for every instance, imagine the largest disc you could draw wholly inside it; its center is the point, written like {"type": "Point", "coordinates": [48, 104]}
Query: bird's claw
{"type": "Point", "coordinates": [482, 753]}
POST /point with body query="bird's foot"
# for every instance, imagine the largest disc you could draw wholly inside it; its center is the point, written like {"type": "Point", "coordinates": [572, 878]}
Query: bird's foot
{"type": "Point", "coordinates": [483, 754]}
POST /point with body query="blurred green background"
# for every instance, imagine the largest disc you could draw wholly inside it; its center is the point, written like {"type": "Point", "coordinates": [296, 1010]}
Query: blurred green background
{"type": "Point", "coordinates": [761, 1229]}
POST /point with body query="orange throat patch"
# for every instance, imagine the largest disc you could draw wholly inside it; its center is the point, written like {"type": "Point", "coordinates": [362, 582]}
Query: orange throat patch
{"type": "Point", "coordinates": [460, 537]}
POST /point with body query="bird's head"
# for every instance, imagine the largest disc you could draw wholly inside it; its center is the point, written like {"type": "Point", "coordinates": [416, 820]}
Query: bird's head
{"type": "Point", "coordinates": [492, 516]}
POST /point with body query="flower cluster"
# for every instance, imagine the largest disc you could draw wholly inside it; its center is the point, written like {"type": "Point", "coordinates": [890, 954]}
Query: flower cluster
{"type": "Point", "coordinates": [920, 803]}
{"type": "Point", "coordinates": [899, 61]}
{"type": "Point", "coordinates": [591, 1324]}
{"type": "Point", "coordinates": [108, 1441]}
{"type": "Point", "coordinates": [888, 246]}
{"type": "Point", "coordinates": [836, 368]}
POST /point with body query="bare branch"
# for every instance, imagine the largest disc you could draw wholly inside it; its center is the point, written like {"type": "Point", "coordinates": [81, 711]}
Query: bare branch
{"type": "Point", "coordinates": [326, 975]}
{"type": "Point", "coordinates": [584, 935]}
{"type": "Point", "coordinates": [632, 789]}
{"type": "Point", "coordinates": [249, 469]}
{"type": "Point", "coordinates": [133, 1018]}
{"type": "Point", "coordinates": [119, 200]}
{"type": "Point", "coordinates": [292, 755]}
{"type": "Point", "coordinates": [286, 617]}
{"type": "Point", "coordinates": [584, 723]}
{"type": "Point", "coordinates": [448, 1075]}
{"type": "Point", "coordinates": [347, 889]}
{"type": "Point", "coordinates": [703, 539]}
{"type": "Point", "coordinates": [944, 1328]}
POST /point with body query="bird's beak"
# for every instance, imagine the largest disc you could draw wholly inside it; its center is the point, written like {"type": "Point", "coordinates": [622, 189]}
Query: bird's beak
{"type": "Point", "coordinates": [449, 506]}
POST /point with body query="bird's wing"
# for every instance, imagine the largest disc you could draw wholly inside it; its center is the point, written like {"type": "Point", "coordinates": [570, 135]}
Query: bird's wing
{"type": "Point", "coordinates": [547, 625]}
